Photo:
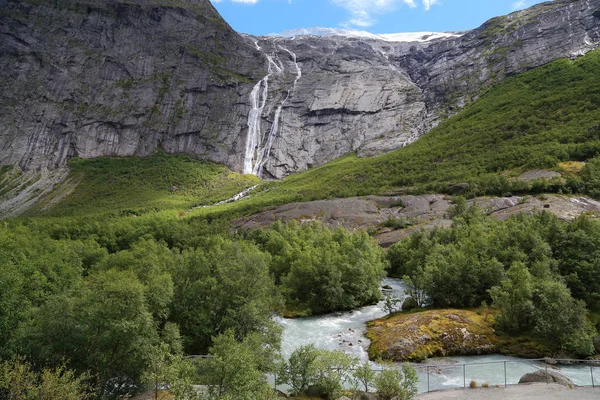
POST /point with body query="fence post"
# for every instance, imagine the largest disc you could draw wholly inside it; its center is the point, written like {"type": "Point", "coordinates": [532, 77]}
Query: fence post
{"type": "Point", "coordinates": [465, 376]}
{"type": "Point", "coordinates": [505, 379]}
{"type": "Point", "coordinates": [547, 383]}
{"type": "Point", "coordinates": [592, 373]}
{"type": "Point", "coordinates": [275, 381]}
{"type": "Point", "coordinates": [428, 379]}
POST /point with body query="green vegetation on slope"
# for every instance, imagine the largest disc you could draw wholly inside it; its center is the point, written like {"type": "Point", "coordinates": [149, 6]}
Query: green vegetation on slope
{"type": "Point", "coordinates": [136, 185]}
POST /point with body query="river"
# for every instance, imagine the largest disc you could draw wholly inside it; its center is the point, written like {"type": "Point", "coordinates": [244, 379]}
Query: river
{"type": "Point", "coordinates": [345, 331]}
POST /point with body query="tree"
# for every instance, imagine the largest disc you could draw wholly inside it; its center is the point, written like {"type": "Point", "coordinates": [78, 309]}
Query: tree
{"type": "Point", "coordinates": [514, 299]}
{"type": "Point", "coordinates": [417, 286]}
{"type": "Point", "coordinates": [225, 285]}
{"type": "Point", "coordinates": [561, 319]}
{"type": "Point", "coordinates": [235, 370]}
{"type": "Point", "coordinates": [390, 303]}
{"type": "Point", "coordinates": [365, 376]}
{"type": "Point", "coordinates": [18, 381]}
{"type": "Point", "coordinates": [323, 370]}
{"type": "Point", "coordinates": [321, 269]}
{"type": "Point", "coordinates": [399, 384]}
{"type": "Point", "coordinates": [105, 328]}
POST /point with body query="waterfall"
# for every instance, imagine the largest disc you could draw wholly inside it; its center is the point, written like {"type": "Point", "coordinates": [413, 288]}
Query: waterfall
{"type": "Point", "coordinates": [254, 117]}
{"type": "Point", "coordinates": [258, 149]}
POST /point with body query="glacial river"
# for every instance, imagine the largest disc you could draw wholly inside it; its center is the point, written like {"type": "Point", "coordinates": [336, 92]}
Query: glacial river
{"type": "Point", "coordinates": [345, 331]}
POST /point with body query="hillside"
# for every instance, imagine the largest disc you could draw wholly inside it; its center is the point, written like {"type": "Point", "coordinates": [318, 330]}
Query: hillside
{"type": "Point", "coordinates": [544, 118]}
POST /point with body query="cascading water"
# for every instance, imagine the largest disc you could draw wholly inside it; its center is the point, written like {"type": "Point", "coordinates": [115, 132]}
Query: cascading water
{"type": "Point", "coordinates": [258, 149]}
{"type": "Point", "coordinates": [265, 153]}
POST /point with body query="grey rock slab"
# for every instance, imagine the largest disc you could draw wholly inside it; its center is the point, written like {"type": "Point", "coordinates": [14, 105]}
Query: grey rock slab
{"type": "Point", "coordinates": [420, 212]}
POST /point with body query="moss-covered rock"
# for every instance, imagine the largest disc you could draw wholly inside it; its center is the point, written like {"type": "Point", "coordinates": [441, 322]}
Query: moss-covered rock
{"type": "Point", "coordinates": [437, 333]}
{"type": "Point", "coordinates": [409, 304]}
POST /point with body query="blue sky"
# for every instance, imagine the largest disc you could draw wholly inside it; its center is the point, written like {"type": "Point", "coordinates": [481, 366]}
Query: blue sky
{"type": "Point", "coordinates": [261, 17]}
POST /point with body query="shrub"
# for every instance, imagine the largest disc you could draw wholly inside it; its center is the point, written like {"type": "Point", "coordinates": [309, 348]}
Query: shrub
{"type": "Point", "coordinates": [473, 384]}
{"type": "Point", "coordinates": [395, 383]}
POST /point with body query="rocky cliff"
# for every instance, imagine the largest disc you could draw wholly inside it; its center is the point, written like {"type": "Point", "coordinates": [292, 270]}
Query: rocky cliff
{"type": "Point", "coordinates": [93, 78]}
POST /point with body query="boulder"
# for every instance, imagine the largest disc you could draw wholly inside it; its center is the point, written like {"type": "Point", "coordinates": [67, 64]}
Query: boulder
{"type": "Point", "coordinates": [543, 376]}
{"type": "Point", "coordinates": [409, 304]}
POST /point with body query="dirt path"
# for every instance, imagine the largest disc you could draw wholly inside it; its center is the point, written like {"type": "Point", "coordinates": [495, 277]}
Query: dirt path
{"type": "Point", "coordinates": [529, 392]}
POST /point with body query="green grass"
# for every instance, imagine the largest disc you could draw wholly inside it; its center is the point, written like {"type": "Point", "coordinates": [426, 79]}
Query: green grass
{"type": "Point", "coordinates": [136, 185]}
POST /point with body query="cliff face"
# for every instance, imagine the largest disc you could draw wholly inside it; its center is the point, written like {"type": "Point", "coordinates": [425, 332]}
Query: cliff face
{"type": "Point", "coordinates": [93, 78]}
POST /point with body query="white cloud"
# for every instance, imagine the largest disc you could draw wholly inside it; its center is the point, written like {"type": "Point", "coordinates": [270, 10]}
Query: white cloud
{"type": "Point", "coordinates": [520, 4]}
{"type": "Point", "coordinates": [428, 3]}
{"type": "Point", "coordinates": [362, 11]}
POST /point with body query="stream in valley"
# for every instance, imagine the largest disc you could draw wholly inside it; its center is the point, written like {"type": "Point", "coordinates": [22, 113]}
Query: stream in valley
{"type": "Point", "coordinates": [345, 331]}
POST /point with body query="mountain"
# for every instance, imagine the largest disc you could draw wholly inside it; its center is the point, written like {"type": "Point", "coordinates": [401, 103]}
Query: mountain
{"type": "Point", "coordinates": [91, 78]}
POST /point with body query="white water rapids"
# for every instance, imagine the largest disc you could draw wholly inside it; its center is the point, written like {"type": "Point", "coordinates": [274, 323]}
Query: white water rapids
{"type": "Point", "coordinates": [345, 331]}
{"type": "Point", "coordinates": [259, 145]}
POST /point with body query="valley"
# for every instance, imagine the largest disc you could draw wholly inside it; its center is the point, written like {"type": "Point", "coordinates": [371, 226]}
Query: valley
{"type": "Point", "coordinates": [170, 188]}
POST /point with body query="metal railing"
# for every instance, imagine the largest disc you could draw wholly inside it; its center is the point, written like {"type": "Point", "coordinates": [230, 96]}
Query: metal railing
{"type": "Point", "coordinates": [436, 377]}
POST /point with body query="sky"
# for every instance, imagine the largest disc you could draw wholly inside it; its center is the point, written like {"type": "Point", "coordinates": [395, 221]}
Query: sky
{"type": "Point", "coordinates": [262, 17]}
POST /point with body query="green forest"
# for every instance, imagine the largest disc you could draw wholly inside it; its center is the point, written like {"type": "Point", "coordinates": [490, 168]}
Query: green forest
{"type": "Point", "coordinates": [106, 293]}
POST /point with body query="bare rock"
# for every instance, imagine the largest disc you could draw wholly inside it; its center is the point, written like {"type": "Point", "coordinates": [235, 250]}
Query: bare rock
{"type": "Point", "coordinates": [549, 376]}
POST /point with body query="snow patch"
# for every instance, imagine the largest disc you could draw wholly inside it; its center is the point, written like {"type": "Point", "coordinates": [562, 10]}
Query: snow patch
{"type": "Point", "coordinates": [388, 37]}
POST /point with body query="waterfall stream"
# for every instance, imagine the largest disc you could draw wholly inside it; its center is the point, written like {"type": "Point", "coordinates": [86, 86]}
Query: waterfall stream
{"type": "Point", "coordinates": [258, 146]}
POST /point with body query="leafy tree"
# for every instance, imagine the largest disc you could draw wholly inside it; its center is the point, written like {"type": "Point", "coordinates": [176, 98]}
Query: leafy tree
{"type": "Point", "coordinates": [365, 376]}
{"type": "Point", "coordinates": [105, 328]}
{"type": "Point", "coordinates": [391, 304]}
{"type": "Point", "coordinates": [225, 285]}
{"type": "Point", "coordinates": [514, 299]}
{"type": "Point", "coordinates": [18, 381]}
{"type": "Point", "coordinates": [309, 367]}
{"type": "Point", "coordinates": [323, 269]}
{"type": "Point", "coordinates": [562, 319]}
{"type": "Point", "coordinates": [394, 383]}
{"type": "Point", "coordinates": [236, 370]}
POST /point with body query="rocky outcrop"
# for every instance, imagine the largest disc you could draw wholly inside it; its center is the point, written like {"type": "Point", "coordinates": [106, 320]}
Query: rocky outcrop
{"type": "Point", "coordinates": [93, 78]}
{"type": "Point", "coordinates": [393, 218]}
{"type": "Point", "coordinates": [436, 333]}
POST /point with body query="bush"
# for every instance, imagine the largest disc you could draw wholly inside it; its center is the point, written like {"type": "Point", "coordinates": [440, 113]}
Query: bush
{"type": "Point", "coordinates": [395, 383]}
{"type": "Point", "coordinates": [312, 369]}
{"type": "Point", "coordinates": [409, 304]}
{"type": "Point", "coordinates": [19, 381]}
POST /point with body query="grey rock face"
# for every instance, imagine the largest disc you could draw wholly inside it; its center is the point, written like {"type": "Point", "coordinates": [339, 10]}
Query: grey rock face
{"type": "Point", "coordinates": [94, 78]}
{"type": "Point", "coordinates": [373, 96]}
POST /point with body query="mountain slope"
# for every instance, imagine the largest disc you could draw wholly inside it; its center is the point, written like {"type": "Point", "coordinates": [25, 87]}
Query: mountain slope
{"type": "Point", "coordinates": [93, 78]}
{"type": "Point", "coordinates": [544, 118]}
